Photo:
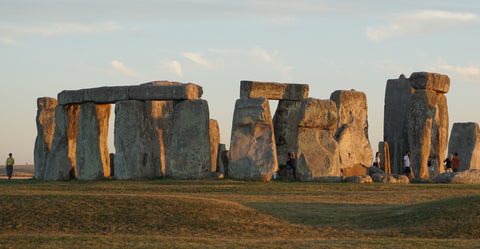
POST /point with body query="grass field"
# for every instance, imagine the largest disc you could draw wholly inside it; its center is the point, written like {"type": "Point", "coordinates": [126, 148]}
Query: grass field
{"type": "Point", "coordinates": [167, 213]}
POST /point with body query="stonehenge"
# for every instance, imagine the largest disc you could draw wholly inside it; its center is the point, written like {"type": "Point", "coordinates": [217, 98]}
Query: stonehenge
{"type": "Point", "coordinates": [163, 129]}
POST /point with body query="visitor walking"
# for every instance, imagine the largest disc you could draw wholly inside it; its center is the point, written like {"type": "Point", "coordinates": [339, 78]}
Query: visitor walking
{"type": "Point", "coordinates": [9, 165]}
{"type": "Point", "coordinates": [448, 163]}
{"type": "Point", "coordinates": [455, 162]}
{"type": "Point", "coordinates": [376, 160]}
{"type": "Point", "coordinates": [406, 164]}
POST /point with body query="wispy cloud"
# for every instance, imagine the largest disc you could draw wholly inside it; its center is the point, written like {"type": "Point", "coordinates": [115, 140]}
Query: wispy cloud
{"type": "Point", "coordinates": [12, 34]}
{"type": "Point", "coordinates": [419, 23]}
{"type": "Point", "coordinates": [120, 67]}
{"type": "Point", "coordinates": [174, 67]}
{"type": "Point", "coordinates": [198, 58]}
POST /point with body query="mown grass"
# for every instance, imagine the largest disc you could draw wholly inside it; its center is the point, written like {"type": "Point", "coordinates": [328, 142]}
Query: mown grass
{"type": "Point", "coordinates": [166, 213]}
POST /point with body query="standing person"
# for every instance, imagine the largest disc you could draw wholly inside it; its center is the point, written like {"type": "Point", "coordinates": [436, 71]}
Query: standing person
{"type": "Point", "coordinates": [455, 162]}
{"type": "Point", "coordinates": [291, 165]}
{"type": "Point", "coordinates": [431, 167]}
{"type": "Point", "coordinates": [448, 163]}
{"type": "Point", "coordinates": [9, 165]}
{"type": "Point", "coordinates": [376, 160]}
{"type": "Point", "coordinates": [406, 164]}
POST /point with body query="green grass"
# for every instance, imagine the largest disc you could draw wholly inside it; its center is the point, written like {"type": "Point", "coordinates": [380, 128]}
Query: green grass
{"type": "Point", "coordinates": [166, 213]}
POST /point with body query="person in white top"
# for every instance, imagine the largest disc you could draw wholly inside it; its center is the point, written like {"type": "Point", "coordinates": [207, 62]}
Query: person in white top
{"type": "Point", "coordinates": [406, 164]}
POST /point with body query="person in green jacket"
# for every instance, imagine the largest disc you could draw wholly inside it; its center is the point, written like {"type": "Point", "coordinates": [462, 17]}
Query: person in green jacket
{"type": "Point", "coordinates": [9, 164]}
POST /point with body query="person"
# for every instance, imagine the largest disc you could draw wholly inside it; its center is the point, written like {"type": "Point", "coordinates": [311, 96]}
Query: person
{"type": "Point", "coordinates": [431, 167]}
{"type": "Point", "coordinates": [455, 162]}
{"type": "Point", "coordinates": [376, 160]}
{"type": "Point", "coordinates": [291, 166]}
{"type": "Point", "coordinates": [9, 165]}
{"type": "Point", "coordinates": [448, 163]}
{"type": "Point", "coordinates": [406, 164]}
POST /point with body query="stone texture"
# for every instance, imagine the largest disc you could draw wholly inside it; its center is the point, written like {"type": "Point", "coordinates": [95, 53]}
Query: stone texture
{"type": "Point", "coordinates": [148, 91]}
{"type": "Point", "coordinates": [383, 178]}
{"type": "Point", "coordinates": [92, 156]}
{"type": "Point", "coordinates": [359, 179]}
{"type": "Point", "coordinates": [317, 151]}
{"type": "Point", "coordinates": [374, 170]}
{"type": "Point", "coordinates": [285, 128]}
{"type": "Point", "coordinates": [214, 142]}
{"type": "Point", "coordinates": [431, 81]}
{"type": "Point", "coordinates": [45, 129]}
{"type": "Point", "coordinates": [465, 140]}
{"type": "Point", "coordinates": [189, 153]}
{"type": "Point", "coordinates": [385, 157]}
{"type": "Point", "coordinates": [352, 128]}
{"type": "Point", "coordinates": [427, 129]}
{"type": "Point", "coordinates": [160, 114]}
{"type": "Point", "coordinates": [61, 160]}
{"type": "Point", "coordinates": [471, 176]}
{"type": "Point", "coordinates": [273, 90]}
{"type": "Point", "coordinates": [445, 177]}
{"type": "Point", "coordinates": [222, 160]}
{"type": "Point", "coordinates": [395, 124]}
{"type": "Point", "coordinates": [133, 141]}
{"type": "Point", "coordinates": [401, 178]}
{"type": "Point", "coordinates": [252, 152]}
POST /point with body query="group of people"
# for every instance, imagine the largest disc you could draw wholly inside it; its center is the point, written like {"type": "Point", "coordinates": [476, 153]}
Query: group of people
{"type": "Point", "coordinates": [451, 163]}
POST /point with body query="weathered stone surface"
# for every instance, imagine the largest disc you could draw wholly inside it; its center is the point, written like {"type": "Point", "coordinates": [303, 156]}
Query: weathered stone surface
{"type": "Point", "coordinates": [465, 140]}
{"type": "Point", "coordinates": [395, 124]}
{"type": "Point", "coordinates": [45, 129]}
{"type": "Point", "coordinates": [471, 176]}
{"type": "Point", "coordinates": [252, 152]}
{"type": "Point", "coordinates": [160, 114]}
{"type": "Point", "coordinates": [445, 177]}
{"type": "Point", "coordinates": [317, 150]}
{"type": "Point", "coordinates": [427, 129]}
{"type": "Point", "coordinates": [352, 128]}
{"type": "Point", "coordinates": [383, 178]}
{"type": "Point", "coordinates": [401, 178]}
{"type": "Point", "coordinates": [133, 141]}
{"type": "Point", "coordinates": [148, 91]}
{"type": "Point", "coordinates": [92, 156]}
{"type": "Point", "coordinates": [431, 81]}
{"type": "Point", "coordinates": [356, 170]}
{"type": "Point", "coordinates": [285, 128]}
{"type": "Point", "coordinates": [359, 179]}
{"type": "Point", "coordinates": [273, 90]}
{"type": "Point", "coordinates": [214, 142]}
{"type": "Point", "coordinates": [61, 160]}
{"type": "Point", "coordinates": [384, 157]}
{"type": "Point", "coordinates": [374, 170]}
{"type": "Point", "coordinates": [222, 159]}
{"type": "Point", "coordinates": [189, 153]}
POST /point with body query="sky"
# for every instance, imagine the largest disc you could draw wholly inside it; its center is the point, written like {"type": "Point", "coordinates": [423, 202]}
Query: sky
{"type": "Point", "coordinates": [47, 46]}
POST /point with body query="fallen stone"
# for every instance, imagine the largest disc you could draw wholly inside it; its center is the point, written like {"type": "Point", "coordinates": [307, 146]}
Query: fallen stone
{"type": "Point", "coordinates": [359, 179]}
{"type": "Point", "coordinates": [401, 178]}
{"type": "Point", "coordinates": [465, 140]}
{"type": "Point", "coordinates": [471, 176]}
{"type": "Point", "coordinates": [252, 152]}
{"type": "Point", "coordinates": [317, 151]}
{"type": "Point", "coordinates": [189, 153]}
{"type": "Point", "coordinates": [431, 81]}
{"type": "Point", "coordinates": [383, 178]}
{"type": "Point", "coordinates": [445, 177]}
{"type": "Point", "coordinates": [92, 156]}
{"type": "Point", "coordinates": [272, 90]}
{"type": "Point", "coordinates": [374, 170]}
{"type": "Point", "coordinates": [61, 160]}
{"type": "Point", "coordinates": [45, 129]}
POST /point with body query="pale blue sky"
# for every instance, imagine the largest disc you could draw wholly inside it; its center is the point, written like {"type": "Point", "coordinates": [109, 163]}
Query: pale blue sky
{"type": "Point", "coordinates": [49, 46]}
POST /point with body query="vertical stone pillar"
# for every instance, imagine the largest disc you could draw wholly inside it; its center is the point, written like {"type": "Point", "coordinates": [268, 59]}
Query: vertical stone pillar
{"type": "Point", "coordinates": [45, 129]}
{"type": "Point", "coordinates": [285, 123]}
{"type": "Point", "coordinates": [384, 150]}
{"type": "Point", "coordinates": [222, 160]}
{"type": "Point", "coordinates": [352, 128]}
{"type": "Point", "coordinates": [428, 120]}
{"type": "Point", "coordinates": [465, 140]}
{"type": "Point", "coordinates": [316, 149]}
{"type": "Point", "coordinates": [61, 161]}
{"type": "Point", "coordinates": [189, 152]}
{"type": "Point", "coordinates": [92, 156]}
{"type": "Point", "coordinates": [252, 152]}
{"type": "Point", "coordinates": [395, 123]}
{"type": "Point", "coordinates": [214, 143]}
{"type": "Point", "coordinates": [133, 141]}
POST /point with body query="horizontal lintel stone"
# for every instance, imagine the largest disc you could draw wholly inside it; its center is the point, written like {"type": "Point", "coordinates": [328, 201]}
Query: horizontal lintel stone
{"type": "Point", "coordinates": [431, 81]}
{"type": "Point", "coordinates": [273, 90]}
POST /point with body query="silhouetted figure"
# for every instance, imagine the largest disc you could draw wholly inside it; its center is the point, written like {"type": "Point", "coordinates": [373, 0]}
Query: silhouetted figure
{"type": "Point", "coordinates": [9, 166]}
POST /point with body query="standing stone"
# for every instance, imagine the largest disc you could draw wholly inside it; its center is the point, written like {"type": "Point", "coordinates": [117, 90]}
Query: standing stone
{"type": "Point", "coordinates": [252, 152]}
{"type": "Point", "coordinates": [352, 128]}
{"type": "Point", "coordinates": [214, 142]}
{"type": "Point", "coordinates": [465, 140]}
{"type": "Point", "coordinates": [189, 153]}
{"type": "Point", "coordinates": [317, 150]}
{"type": "Point", "coordinates": [160, 114]}
{"type": "Point", "coordinates": [45, 129]}
{"type": "Point", "coordinates": [222, 160]}
{"type": "Point", "coordinates": [93, 161]}
{"type": "Point", "coordinates": [61, 160]}
{"type": "Point", "coordinates": [385, 157]}
{"type": "Point", "coordinates": [285, 123]}
{"type": "Point", "coordinates": [395, 124]}
{"type": "Point", "coordinates": [133, 141]}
